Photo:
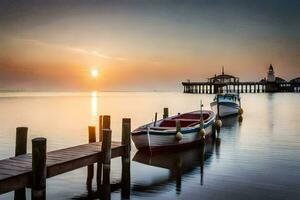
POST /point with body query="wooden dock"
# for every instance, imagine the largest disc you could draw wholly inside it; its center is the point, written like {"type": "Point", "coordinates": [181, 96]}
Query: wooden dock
{"type": "Point", "coordinates": [28, 170]}
{"type": "Point", "coordinates": [15, 172]}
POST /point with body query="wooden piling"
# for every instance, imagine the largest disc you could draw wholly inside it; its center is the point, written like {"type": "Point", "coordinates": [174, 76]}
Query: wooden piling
{"type": "Point", "coordinates": [126, 136]}
{"type": "Point", "coordinates": [90, 168]}
{"type": "Point", "coordinates": [126, 140]}
{"type": "Point", "coordinates": [20, 149]}
{"type": "Point", "coordinates": [106, 148]}
{"type": "Point", "coordinates": [104, 123]}
{"type": "Point", "coordinates": [39, 172]}
{"type": "Point", "coordinates": [166, 113]}
{"type": "Point", "coordinates": [21, 141]}
{"type": "Point", "coordinates": [100, 128]}
{"type": "Point", "coordinates": [92, 134]}
{"type": "Point", "coordinates": [155, 119]}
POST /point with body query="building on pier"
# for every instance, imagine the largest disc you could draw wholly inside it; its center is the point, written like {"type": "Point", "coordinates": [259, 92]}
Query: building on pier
{"type": "Point", "coordinates": [229, 83]}
{"type": "Point", "coordinates": [274, 83]}
{"type": "Point", "coordinates": [223, 78]}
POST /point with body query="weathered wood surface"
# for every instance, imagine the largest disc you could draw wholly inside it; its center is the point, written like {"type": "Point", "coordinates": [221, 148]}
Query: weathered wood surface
{"type": "Point", "coordinates": [16, 172]}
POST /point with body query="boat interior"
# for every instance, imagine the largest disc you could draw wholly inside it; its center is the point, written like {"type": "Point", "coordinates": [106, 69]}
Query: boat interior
{"type": "Point", "coordinates": [186, 120]}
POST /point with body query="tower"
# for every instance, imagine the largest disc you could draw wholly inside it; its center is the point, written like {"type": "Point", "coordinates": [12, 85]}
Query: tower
{"type": "Point", "coordinates": [271, 85]}
{"type": "Point", "coordinates": [271, 74]}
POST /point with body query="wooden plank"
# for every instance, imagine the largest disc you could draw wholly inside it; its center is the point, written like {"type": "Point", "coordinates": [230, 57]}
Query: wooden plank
{"type": "Point", "coordinates": [13, 163]}
{"type": "Point", "coordinates": [67, 166]}
{"type": "Point", "coordinates": [11, 167]}
{"type": "Point", "coordinates": [3, 176]}
{"type": "Point", "coordinates": [11, 183]}
{"type": "Point", "coordinates": [13, 172]}
{"type": "Point", "coordinates": [76, 152]}
{"type": "Point", "coordinates": [19, 163]}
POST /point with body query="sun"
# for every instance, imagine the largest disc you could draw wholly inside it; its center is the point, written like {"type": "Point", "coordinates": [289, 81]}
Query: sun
{"type": "Point", "coordinates": [94, 73]}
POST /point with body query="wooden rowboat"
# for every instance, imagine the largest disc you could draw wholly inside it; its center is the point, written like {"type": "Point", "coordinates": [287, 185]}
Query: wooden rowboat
{"type": "Point", "coordinates": [179, 130]}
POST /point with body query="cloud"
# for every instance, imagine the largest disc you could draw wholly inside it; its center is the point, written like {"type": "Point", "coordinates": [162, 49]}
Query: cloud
{"type": "Point", "coordinates": [70, 48]}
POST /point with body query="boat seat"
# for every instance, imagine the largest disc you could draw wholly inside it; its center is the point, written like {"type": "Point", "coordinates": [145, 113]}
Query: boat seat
{"type": "Point", "coordinates": [192, 116]}
{"type": "Point", "coordinates": [183, 122]}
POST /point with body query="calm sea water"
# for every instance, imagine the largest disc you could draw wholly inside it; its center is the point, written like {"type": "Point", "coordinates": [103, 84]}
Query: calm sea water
{"type": "Point", "coordinates": [257, 159]}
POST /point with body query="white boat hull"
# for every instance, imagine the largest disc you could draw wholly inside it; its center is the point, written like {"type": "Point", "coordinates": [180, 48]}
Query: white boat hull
{"type": "Point", "coordinates": [153, 142]}
{"type": "Point", "coordinates": [226, 109]}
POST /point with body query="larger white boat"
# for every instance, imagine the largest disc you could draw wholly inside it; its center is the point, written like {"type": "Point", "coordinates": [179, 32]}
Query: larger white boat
{"type": "Point", "coordinates": [226, 104]}
{"type": "Point", "coordinates": [164, 134]}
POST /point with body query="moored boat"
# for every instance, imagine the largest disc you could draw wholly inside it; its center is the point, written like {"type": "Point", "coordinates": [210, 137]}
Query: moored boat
{"type": "Point", "coordinates": [179, 130]}
{"type": "Point", "coordinates": [226, 104]}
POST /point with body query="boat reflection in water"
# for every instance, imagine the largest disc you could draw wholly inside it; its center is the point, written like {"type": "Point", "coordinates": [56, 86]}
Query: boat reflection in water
{"type": "Point", "coordinates": [179, 164]}
{"type": "Point", "coordinates": [230, 122]}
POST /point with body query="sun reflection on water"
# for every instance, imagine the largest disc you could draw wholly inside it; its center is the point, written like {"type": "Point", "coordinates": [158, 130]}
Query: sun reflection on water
{"type": "Point", "coordinates": [94, 107]}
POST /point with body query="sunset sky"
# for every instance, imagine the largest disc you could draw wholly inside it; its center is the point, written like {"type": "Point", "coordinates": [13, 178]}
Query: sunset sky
{"type": "Point", "coordinates": [144, 44]}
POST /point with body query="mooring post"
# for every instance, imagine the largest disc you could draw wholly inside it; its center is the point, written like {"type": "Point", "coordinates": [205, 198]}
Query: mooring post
{"type": "Point", "coordinates": [20, 149]}
{"type": "Point", "coordinates": [90, 168]}
{"type": "Point", "coordinates": [155, 119]}
{"type": "Point", "coordinates": [166, 113]}
{"type": "Point", "coordinates": [21, 141]}
{"type": "Point", "coordinates": [100, 128]}
{"type": "Point", "coordinates": [39, 170]}
{"type": "Point", "coordinates": [106, 149]}
{"type": "Point", "coordinates": [104, 123]}
{"type": "Point", "coordinates": [126, 141]}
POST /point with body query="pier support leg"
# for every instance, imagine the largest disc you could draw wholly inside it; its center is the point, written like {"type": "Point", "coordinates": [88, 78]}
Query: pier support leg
{"type": "Point", "coordinates": [106, 149]}
{"type": "Point", "coordinates": [21, 148]}
{"type": "Point", "coordinates": [126, 140]}
{"type": "Point", "coordinates": [90, 168]}
{"type": "Point", "coordinates": [104, 123]}
{"type": "Point", "coordinates": [99, 164]}
{"type": "Point", "coordinates": [39, 170]}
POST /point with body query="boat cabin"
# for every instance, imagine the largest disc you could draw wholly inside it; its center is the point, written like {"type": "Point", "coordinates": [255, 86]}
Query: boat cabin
{"type": "Point", "coordinates": [227, 97]}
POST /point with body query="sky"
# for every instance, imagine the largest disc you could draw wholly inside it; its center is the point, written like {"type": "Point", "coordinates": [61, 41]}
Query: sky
{"type": "Point", "coordinates": [144, 44]}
